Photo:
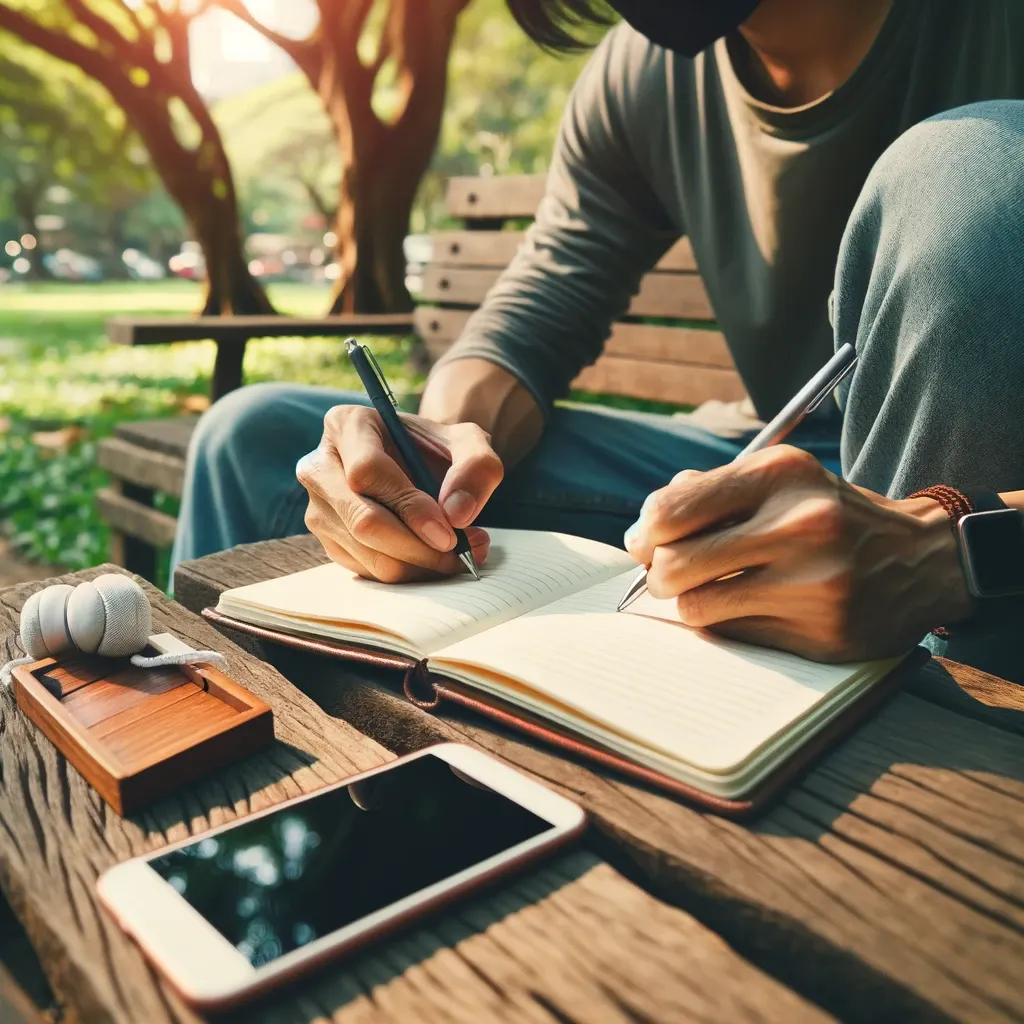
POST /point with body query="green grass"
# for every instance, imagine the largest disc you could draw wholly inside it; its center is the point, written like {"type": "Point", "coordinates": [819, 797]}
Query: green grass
{"type": "Point", "coordinates": [57, 370]}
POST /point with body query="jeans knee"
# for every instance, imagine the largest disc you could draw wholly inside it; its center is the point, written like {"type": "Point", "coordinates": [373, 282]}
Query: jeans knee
{"type": "Point", "coordinates": [243, 427]}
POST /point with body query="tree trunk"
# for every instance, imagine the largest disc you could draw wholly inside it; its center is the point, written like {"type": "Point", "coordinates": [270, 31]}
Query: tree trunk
{"type": "Point", "coordinates": [200, 182]}
{"type": "Point", "coordinates": [375, 203]}
{"type": "Point", "coordinates": [383, 164]}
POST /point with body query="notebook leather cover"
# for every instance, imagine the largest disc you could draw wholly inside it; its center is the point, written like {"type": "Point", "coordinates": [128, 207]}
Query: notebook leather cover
{"type": "Point", "coordinates": [429, 691]}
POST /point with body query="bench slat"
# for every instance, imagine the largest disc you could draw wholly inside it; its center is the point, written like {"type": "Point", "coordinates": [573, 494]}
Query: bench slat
{"type": "Point", "coordinates": [677, 296]}
{"type": "Point", "coordinates": [660, 382]}
{"type": "Point", "coordinates": [135, 520]}
{"type": "Point", "coordinates": [689, 346]}
{"type": "Point", "coordinates": [162, 330]}
{"type": "Point", "coordinates": [142, 466]}
{"type": "Point", "coordinates": [498, 198]}
{"type": "Point", "coordinates": [170, 436]}
{"type": "Point", "coordinates": [497, 248]}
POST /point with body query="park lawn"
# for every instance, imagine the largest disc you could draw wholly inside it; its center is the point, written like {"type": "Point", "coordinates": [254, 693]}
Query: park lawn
{"type": "Point", "coordinates": [63, 387]}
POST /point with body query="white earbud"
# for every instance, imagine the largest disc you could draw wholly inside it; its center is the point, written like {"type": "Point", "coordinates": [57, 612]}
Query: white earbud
{"type": "Point", "coordinates": [109, 616]}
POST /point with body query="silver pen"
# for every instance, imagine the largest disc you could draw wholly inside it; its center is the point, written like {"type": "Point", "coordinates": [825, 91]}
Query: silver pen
{"type": "Point", "coordinates": [804, 402]}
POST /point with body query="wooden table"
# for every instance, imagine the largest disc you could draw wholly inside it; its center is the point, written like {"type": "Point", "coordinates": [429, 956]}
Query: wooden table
{"type": "Point", "coordinates": [575, 940]}
{"type": "Point", "coordinates": [889, 885]}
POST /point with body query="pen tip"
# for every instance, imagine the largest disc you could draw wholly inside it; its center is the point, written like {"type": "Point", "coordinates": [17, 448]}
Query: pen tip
{"type": "Point", "coordinates": [470, 563]}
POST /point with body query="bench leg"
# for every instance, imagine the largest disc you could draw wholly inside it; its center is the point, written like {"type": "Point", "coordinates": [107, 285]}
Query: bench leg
{"type": "Point", "coordinates": [227, 369]}
{"type": "Point", "coordinates": [131, 553]}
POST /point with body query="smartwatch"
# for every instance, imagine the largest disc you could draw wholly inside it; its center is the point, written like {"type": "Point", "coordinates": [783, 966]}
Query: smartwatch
{"type": "Point", "coordinates": [990, 542]}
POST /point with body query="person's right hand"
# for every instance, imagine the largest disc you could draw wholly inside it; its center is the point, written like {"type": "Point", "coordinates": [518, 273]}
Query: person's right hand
{"type": "Point", "coordinates": [371, 519]}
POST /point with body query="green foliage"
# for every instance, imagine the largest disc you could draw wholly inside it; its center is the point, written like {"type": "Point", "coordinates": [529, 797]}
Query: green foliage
{"type": "Point", "coordinates": [57, 371]}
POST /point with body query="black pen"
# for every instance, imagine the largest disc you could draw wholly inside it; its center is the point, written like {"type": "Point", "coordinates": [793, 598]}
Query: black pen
{"type": "Point", "coordinates": [383, 400]}
{"type": "Point", "coordinates": [805, 401]}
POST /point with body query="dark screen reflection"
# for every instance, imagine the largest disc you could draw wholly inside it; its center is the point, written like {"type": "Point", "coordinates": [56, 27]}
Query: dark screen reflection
{"type": "Point", "coordinates": [277, 883]}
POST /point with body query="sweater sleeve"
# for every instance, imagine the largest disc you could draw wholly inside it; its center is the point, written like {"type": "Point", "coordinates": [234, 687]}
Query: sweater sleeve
{"type": "Point", "coordinates": [598, 230]}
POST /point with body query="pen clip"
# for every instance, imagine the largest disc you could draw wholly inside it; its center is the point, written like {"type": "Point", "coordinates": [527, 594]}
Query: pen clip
{"type": "Point", "coordinates": [379, 373]}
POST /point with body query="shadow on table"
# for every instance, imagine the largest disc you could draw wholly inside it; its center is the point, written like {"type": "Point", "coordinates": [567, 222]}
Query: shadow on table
{"type": "Point", "coordinates": [334, 987]}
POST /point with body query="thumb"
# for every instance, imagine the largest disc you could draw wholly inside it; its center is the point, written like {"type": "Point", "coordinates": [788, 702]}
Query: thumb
{"type": "Point", "coordinates": [475, 472]}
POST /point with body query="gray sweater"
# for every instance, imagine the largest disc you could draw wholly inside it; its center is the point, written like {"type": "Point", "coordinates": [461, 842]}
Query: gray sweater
{"type": "Point", "coordinates": [653, 146]}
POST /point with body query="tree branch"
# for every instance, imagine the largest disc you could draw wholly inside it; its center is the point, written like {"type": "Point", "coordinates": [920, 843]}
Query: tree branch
{"type": "Point", "coordinates": [302, 51]}
{"type": "Point", "coordinates": [60, 46]}
{"type": "Point", "coordinates": [104, 30]}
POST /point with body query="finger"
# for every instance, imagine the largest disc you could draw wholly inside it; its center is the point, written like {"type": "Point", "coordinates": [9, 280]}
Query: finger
{"type": "Point", "coordinates": [371, 472]}
{"type": "Point", "coordinates": [420, 563]}
{"type": "Point", "coordinates": [710, 556]}
{"type": "Point", "coordinates": [695, 502]}
{"type": "Point", "coordinates": [475, 472]}
{"type": "Point", "coordinates": [369, 522]}
{"type": "Point", "coordinates": [749, 595]}
{"type": "Point", "coordinates": [374, 565]}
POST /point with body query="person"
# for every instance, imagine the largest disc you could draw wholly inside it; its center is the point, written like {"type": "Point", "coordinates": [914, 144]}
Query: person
{"type": "Point", "coordinates": [846, 170]}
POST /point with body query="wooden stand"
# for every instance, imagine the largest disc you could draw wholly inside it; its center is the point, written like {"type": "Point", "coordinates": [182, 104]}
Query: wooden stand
{"type": "Point", "coordinates": [137, 734]}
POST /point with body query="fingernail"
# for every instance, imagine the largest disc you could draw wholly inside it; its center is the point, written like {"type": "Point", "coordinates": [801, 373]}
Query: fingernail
{"type": "Point", "coordinates": [437, 536]}
{"type": "Point", "coordinates": [459, 506]}
{"type": "Point", "coordinates": [631, 533]}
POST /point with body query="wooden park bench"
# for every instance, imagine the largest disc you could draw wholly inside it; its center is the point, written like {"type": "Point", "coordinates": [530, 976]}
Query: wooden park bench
{"type": "Point", "coordinates": [684, 361]}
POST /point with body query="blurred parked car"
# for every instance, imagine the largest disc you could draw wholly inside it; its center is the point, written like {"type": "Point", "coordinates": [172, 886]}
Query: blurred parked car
{"type": "Point", "coordinates": [142, 267]}
{"type": "Point", "coordinates": [188, 263]}
{"type": "Point", "coordinates": [68, 265]}
{"type": "Point", "coordinates": [417, 250]}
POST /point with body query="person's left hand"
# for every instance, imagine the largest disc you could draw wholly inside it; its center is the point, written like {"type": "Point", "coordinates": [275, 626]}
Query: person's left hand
{"type": "Point", "coordinates": [825, 569]}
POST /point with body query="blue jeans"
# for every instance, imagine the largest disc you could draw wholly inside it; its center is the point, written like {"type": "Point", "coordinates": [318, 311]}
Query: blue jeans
{"type": "Point", "coordinates": [929, 286]}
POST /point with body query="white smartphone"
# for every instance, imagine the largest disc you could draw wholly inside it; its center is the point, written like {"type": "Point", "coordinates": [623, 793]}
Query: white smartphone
{"type": "Point", "coordinates": [245, 907]}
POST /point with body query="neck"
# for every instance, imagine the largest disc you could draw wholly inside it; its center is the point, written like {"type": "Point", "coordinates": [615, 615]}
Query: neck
{"type": "Point", "coordinates": [801, 50]}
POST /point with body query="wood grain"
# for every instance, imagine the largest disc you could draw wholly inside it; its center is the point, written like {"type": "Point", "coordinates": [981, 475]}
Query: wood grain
{"type": "Point", "coordinates": [661, 382]}
{"type": "Point", "coordinates": [887, 885]}
{"type": "Point", "coordinates": [142, 466]}
{"type": "Point", "coordinates": [439, 328]}
{"type": "Point", "coordinates": [502, 197]}
{"type": "Point", "coordinates": [572, 941]}
{"type": "Point", "coordinates": [676, 296]}
{"type": "Point", "coordinates": [127, 515]}
{"type": "Point", "coordinates": [497, 249]}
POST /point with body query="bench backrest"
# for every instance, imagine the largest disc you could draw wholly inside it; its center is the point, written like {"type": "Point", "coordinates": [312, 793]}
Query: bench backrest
{"type": "Point", "coordinates": [686, 362]}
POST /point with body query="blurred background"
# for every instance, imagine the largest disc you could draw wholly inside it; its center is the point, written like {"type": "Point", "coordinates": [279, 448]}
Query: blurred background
{"type": "Point", "coordinates": [171, 157]}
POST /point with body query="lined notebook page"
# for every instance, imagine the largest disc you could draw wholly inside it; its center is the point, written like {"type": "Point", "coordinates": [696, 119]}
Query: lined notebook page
{"type": "Point", "coordinates": [524, 571]}
{"type": "Point", "coordinates": [709, 703]}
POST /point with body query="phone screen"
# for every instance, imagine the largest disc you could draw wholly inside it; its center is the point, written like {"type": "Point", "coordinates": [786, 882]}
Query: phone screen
{"type": "Point", "coordinates": [277, 883]}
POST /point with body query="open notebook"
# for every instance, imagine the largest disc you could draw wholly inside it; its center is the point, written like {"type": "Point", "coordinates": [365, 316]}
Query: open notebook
{"type": "Point", "coordinates": [539, 634]}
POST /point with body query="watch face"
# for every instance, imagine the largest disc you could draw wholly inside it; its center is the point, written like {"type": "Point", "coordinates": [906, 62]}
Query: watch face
{"type": "Point", "coordinates": [993, 547]}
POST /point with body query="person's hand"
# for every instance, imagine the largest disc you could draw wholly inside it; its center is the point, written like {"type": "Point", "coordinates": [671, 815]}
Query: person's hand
{"type": "Point", "coordinates": [368, 515]}
{"type": "Point", "coordinates": [776, 550]}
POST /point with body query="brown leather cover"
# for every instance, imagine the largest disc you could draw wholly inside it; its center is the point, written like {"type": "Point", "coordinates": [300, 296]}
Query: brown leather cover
{"type": "Point", "coordinates": [429, 691]}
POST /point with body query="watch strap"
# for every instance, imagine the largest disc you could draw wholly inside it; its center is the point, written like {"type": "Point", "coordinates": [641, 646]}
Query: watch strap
{"type": "Point", "coordinates": [984, 500]}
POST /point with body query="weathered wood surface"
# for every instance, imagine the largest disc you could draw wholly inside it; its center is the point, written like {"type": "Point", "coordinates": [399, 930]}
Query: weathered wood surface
{"type": "Point", "coordinates": [887, 885]}
{"type": "Point", "coordinates": [439, 328]}
{"type": "Point", "coordinates": [497, 249]}
{"type": "Point", "coordinates": [572, 941]}
{"type": "Point", "coordinates": [498, 198]}
{"type": "Point", "coordinates": [144, 467]}
{"type": "Point", "coordinates": [679, 296]}
{"type": "Point", "coordinates": [128, 515]}
{"type": "Point", "coordinates": [682, 365]}
{"type": "Point", "coordinates": [170, 436]}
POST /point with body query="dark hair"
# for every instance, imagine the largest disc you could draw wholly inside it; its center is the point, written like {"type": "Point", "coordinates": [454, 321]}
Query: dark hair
{"type": "Point", "coordinates": [557, 24]}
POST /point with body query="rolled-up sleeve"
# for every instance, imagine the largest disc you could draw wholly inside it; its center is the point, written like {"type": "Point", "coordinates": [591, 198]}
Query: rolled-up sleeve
{"type": "Point", "coordinates": [598, 230]}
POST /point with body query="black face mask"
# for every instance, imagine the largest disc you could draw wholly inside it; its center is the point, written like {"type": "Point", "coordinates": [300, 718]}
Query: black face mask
{"type": "Point", "coordinates": [684, 26]}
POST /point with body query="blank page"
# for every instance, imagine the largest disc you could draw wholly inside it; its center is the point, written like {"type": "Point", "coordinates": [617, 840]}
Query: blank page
{"type": "Point", "coordinates": [706, 702]}
{"type": "Point", "coordinates": [524, 570]}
